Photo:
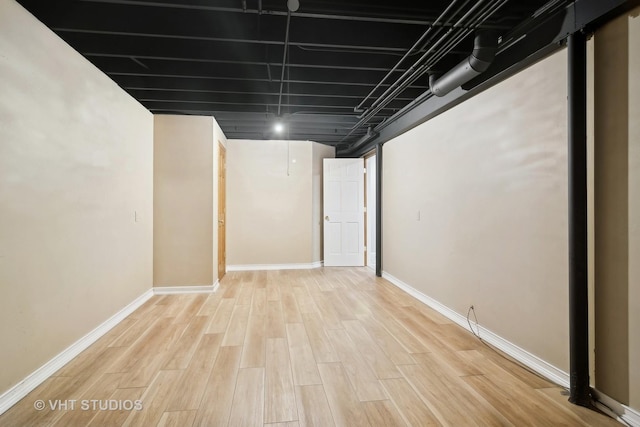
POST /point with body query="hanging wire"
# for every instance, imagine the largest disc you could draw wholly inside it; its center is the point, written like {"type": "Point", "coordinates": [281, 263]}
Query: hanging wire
{"type": "Point", "coordinates": [284, 60]}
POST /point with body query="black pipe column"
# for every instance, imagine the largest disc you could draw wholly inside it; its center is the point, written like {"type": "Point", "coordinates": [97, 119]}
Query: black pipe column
{"type": "Point", "coordinates": [578, 258]}
{"type": "Point", "coordinates": [379, 210]}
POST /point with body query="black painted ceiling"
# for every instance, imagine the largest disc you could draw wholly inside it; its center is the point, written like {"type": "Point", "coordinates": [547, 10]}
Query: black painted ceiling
{"type": "Point", "coordinates": [224, 57]}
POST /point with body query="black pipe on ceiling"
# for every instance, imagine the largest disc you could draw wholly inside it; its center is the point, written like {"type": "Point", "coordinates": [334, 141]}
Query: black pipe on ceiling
{"type": "Point", "coordinates": [485, 46]}
{"type": "Point", "coordinates": [454, 35]}
{"type": "Point", "coordinates": [358, 108]}
{"type": "Point", "coordinates": [534, 39]}
{"type": "Point", "coordinates": [580, 393]}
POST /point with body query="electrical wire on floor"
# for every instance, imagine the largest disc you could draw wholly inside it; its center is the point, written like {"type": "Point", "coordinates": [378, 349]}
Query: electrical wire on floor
{"type": "Point", "coordinates": [499, 352]}
{"type": "Point", "coordinates": [476, 333]}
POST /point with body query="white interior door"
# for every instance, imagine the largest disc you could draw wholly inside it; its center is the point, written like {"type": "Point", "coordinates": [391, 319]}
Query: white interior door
{"type": "Point", "coordinates": [343, 212]}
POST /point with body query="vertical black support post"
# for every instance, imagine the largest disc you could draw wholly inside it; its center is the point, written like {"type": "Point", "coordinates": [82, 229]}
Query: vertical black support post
{"type": "Point", "coordinates": [379, 210]}
{"type": "Point", "coordinates": [578, 256]}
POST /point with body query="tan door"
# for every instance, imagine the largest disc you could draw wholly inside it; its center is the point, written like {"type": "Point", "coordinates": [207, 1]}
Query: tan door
{"type": "Point", "coordinates": [222, 211]}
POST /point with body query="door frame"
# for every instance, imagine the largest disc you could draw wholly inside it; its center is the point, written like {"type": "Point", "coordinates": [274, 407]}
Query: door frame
{"type": "Point", "coordinates": [367, 245]}
{"type": "Point", "coordinates": [222, 211]}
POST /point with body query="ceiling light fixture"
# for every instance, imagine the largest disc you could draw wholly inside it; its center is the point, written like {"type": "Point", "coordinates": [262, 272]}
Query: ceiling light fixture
{"type": "Point", "coordinates": [293, 5]}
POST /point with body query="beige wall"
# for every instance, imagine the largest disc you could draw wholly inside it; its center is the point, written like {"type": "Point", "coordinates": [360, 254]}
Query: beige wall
{"type": "Point", "coordinates": [489, 178]}
{"type": "Point", "coordinates": [617, 208]}
{"type": "Point", "coordinates": [270, 202]}
{"type": "Point", "coordinates": [185, 200]}
{"type": "Point", "coordinates": [75, 167]}
{"type": "Point", "coordinates": [320, 152]}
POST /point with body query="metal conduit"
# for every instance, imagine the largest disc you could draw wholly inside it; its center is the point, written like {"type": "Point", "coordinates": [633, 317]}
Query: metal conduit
{"type": "Point", "coordinates": [447, 24]}
{"type": "Point", "coordinates": [387, 97]}
{"type": "Point", "coordinates": [413, 74]}
{"type": "Point", "coordinates": [392, 91]}
{"type": "Point", "coordinates": [481, 17]}
{"type": "Point", "coordinates": [443, 38]}
{"type": "Point", "coordinates": [411, 69]}
{"type": "Point", "coordinates": [469, 12]}
{"type": "Point", "coordinates": [395, 67]}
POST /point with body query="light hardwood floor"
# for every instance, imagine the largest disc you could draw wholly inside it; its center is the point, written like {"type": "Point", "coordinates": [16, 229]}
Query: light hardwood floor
{"type": "Point", "coordinates": [320, 347]}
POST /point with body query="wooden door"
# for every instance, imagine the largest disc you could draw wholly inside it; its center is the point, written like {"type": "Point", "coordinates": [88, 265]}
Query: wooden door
{"type": "Point", "coordinates": [222, 211]}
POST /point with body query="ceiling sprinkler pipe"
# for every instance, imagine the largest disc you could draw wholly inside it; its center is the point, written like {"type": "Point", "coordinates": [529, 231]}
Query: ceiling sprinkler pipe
{"type": "Point", "coordinates": [484, 51]}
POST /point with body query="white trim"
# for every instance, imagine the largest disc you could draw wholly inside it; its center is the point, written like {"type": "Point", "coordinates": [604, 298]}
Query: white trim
{"type": "Point", "coordinates": [258, 267]}
{"type": "Point", "coordinates": [545, 369]}
{"type": "Point", "coordinates": [616, 409]}
{"type": "Point", "coordinates": [173, 290]}
{"type": "Point", "coordinates": [33, 380]}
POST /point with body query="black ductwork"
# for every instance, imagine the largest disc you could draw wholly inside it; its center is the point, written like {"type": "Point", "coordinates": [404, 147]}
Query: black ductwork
{"type": "Point", "coordinates": [485, 46]}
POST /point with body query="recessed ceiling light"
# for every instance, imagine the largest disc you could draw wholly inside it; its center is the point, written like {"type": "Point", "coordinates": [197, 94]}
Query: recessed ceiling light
{"type": "Point", "coordinates": [278, 127]}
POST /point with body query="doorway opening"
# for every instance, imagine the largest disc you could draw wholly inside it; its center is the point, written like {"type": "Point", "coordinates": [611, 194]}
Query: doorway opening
{"type": "Point", "coordinates": [370, 204]}
{"type": "Point", "coordinates": [222, 211]}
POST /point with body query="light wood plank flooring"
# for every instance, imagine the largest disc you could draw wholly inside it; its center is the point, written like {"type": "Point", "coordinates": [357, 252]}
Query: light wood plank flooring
{"type": "Point", "coordinates": [320, 347]}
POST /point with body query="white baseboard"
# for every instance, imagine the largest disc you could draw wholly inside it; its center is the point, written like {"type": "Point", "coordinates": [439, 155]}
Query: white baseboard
{"type": "Point", "coordinates": [172, 290]}
{"type": "Point", "coordinates": [616, 409]}
{"type": "Point", "coordinates": [613, 408]}
{"type": "Point", "coordinates": [24, 387]}
{"type": "Point", "coordinates": [20, 390]}
{"type": "Point", "coordinates": [261, 267]}
{"type": "Point", "coordinates": [545, 369]}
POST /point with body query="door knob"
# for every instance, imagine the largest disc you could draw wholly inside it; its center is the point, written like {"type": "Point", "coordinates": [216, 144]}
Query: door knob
{"type": "Point", "coordinates": [221, 221]}
{"type": "Point", "coordinates": [326, 218]}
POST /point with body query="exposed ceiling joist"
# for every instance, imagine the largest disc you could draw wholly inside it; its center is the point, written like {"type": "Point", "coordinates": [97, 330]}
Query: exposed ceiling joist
{"type": "Point", "coordinates": [225, 58]}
